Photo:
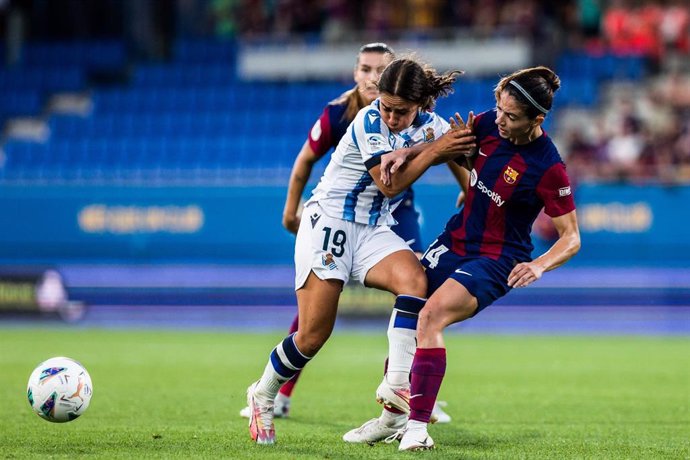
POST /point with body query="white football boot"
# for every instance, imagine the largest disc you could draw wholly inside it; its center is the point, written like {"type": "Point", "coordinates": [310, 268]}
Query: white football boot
{"type": "Point", "coordinates": [439, 414]}
{"type": "Point", "coordinates": [281, 407]}
{"type": "Point", "coordinates": [398, 397]}
{"type": "Point", "coordinates": [375, 430]}
{"type": "Point", "coordinates": [415, 437]}
{"type": "Point", "coordinates": [261, 426]}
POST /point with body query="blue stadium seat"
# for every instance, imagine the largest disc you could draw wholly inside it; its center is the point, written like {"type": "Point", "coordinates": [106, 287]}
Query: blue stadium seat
{"type": "Point", "coordinates": [25, 102]}
{"type": "Point", "coordinates": [88, 55]}
{"type": "Point", "coordinates": [44, 79]}
{"type": "Point", "coordinates": [204, 51]}
{"type": "Point", "coordinates": [183, 75]}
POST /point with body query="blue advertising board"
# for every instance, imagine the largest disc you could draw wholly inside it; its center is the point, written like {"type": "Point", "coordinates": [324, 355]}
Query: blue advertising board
{"type": "Point", "coordinates": [621, 225]}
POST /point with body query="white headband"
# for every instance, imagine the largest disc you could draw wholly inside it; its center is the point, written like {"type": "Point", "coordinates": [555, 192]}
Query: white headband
{"type": "Point", "coordinates": [529, 98]}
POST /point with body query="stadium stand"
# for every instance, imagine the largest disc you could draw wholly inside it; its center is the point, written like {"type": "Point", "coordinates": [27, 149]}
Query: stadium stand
{"type": "Point", "coordinates": [190, 115]}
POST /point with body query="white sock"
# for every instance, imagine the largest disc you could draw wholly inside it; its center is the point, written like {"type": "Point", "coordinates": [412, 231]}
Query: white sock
{"type": "Point", "coordinates": [268, 386]}
{"type": "Point", "coordinates": [393, 420]}
{"type": "Point", "coordinates": [285, 358]}
{"type": "Point", "coordinates": [415, 425]}
{"type": "Point", "coordinates": [402, 338]}
{"type": "Point", "coordinates": [282, 398]}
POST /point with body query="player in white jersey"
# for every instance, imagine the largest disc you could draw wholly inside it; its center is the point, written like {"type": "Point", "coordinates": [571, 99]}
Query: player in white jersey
{"type": "Point", "coordinates": [347, 191]}
{"type": "Point", "coordinates": [347, 234]}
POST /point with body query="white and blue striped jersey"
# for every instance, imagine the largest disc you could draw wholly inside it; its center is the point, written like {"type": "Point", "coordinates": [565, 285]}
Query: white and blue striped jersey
{"type": "Point", "coordinates": [346, 189]}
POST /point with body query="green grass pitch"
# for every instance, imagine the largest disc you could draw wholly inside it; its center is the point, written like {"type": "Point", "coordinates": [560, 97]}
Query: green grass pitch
{"type": "Point", "coordinates": [165, 394]}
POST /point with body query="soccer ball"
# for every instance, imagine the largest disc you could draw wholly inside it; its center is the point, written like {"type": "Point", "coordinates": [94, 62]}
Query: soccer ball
{"type": "Point", "coordinates": [59, 389]}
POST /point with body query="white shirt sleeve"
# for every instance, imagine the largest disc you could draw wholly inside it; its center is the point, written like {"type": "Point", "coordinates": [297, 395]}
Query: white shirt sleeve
{"type": "Point", "coordinates": [371, 134]}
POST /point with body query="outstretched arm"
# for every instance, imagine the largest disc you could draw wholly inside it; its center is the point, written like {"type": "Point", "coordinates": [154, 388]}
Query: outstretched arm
{"type": "Point", "coordinates": [565, 247]}
{"type": "Point", "coordinates": [301, 170]}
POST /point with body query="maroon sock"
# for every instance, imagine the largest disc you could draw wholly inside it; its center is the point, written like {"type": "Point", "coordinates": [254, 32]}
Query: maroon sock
{"type": "Point", "coordinates": [294, 325]}
{"type": "Point", "coordinates": [286, 389]}
{"type": "Point", "coordinates": [428, 369]}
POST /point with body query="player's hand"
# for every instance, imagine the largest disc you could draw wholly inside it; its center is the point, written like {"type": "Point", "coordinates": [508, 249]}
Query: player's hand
{"type": "Point", "coordinates": [457, 123]}
{"type": "Point", "coordinates": [458, 141]}
{"type": "Point", "coordinates": [524, 274]}
{"type": "Point", "coordinates": [391, 162]}
{"type": "Point", "coordinates": [291, 223]}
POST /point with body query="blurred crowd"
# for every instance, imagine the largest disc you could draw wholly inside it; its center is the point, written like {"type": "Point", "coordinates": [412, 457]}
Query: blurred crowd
{"type": "Point", "coordinates": [648, 27]}
{"type": "Point", "coordinates": [637, 132]}
{"type": "Point", "coordinates": [385, 19]}
{"type": "Point", "coordinates": [640, 133]}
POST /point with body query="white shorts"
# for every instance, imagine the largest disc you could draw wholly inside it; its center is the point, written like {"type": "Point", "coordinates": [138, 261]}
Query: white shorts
{"type": "Point", "coordinates": [337, 249]}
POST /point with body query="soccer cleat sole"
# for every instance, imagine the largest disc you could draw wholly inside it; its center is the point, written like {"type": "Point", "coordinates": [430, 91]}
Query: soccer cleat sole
{"type": "Point", "coordinates": [405, 408]}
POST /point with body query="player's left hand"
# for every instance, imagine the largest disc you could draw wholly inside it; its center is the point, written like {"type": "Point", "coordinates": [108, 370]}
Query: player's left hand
{"type": "Point", "coordinates": [391, 162]}
{"type": "Point", "coordinates": [524, 274]}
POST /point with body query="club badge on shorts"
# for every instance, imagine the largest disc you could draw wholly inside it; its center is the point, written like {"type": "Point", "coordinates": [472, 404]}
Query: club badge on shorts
{"type": "Point", "coordinates": [327, 261]}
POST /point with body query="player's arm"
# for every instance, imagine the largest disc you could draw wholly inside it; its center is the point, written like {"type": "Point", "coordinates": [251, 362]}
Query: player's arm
{"type": "Point", "coordinates": [301, 171]}
{"type": "Point", "coordinates": [565, 247]}
{"type": "Point", "coordinates": [455, 142]}
{"type": "Point", "coordinates": [393, 161]}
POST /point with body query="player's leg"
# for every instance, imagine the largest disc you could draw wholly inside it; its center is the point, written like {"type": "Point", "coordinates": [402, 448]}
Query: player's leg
{"type": "Point", "coordinates": [320, 273]}
{"type": "Point", "coordinates": [281, 407]}
{"type": "Point", "coordinates": [409, 230]}
{"type": "Point", "coordinates": [318, 304]}
{"type": "Point", "coordinates": [451, 303]}
{"type": "Point", "coordinates": [470, 285]}
{"type": "Point", "coordinates": [400, 273]}
{"type": "Point", "coordinates": [281, 404]}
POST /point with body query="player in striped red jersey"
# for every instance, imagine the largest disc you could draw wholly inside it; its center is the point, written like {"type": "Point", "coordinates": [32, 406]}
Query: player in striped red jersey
{"type": "Point", "coordinates": [485, 250]}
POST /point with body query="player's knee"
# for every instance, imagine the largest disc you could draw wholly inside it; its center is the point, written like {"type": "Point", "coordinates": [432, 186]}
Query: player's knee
{"type": "Point", "coordinates": [310, 343]}
{"type": "Point", "coordinates": [435, 317]}
{"type": "Point", "coordinates": [411, 282]}
{"type": "Point", "coordinates": [430, 319]}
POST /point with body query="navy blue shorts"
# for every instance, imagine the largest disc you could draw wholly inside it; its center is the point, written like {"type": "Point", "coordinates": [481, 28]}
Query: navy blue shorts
{"type": "Point", "coordinates": [408, 222]}
{"type": "Point", "coordinates": [485, 278]}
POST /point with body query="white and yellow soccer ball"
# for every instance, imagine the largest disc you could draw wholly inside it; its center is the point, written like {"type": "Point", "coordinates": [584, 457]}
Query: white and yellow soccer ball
{"type": "Point", "coordinates": [59, 389]}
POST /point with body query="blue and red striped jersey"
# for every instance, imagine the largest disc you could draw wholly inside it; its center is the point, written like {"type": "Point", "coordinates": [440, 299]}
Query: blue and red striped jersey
{"type": "Point", "coordinates": [329, 128]}
{"type": "Point", "coordinates": [509, 185]}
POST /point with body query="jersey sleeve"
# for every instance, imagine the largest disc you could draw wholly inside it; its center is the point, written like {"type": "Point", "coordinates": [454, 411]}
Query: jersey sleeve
{"type": "Point", "coordinates": [321, 135]}
{"type": "Point", "coordinates": [440, 126]}
{"type": "Point", "coordinates": [555, 191]}
{"type": "Point", "coordinates": [484, 123]}
{"type": "Point", "coordinates": [432, 128]}
{"type": "Point", "coordinates": [371, 136]}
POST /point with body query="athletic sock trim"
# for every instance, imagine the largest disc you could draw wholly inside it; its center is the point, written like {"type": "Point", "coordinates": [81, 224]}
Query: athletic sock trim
{"type": "Point", "coordinates": [409, 304]}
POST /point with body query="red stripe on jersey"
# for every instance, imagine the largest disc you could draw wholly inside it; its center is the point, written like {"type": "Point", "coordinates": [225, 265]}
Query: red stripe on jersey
{"type": "Point", "coordinates": [554, 190]}
{"type": "Point", "coordinates": [495, 225]}
{"type": "Point", "coordinates": [320, 135]}
{"type": "Point", "coordinates": [487, 146]}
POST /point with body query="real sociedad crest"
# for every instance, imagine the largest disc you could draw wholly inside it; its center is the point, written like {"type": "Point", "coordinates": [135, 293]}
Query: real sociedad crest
{"type": "Point", "coordinates": [510, 175]}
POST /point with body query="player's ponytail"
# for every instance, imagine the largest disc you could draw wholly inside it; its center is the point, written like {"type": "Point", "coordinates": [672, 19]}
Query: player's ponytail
{"type": "Point", "coordinates": [533, 88]}
{"type": "Point", "coordinates": [439, 85]}
{"type": "Point", "coordinates": [415, 82]}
